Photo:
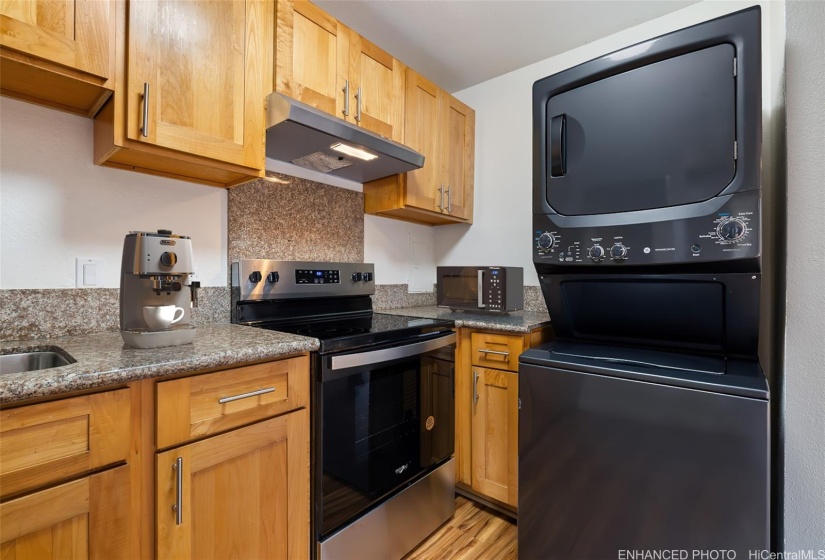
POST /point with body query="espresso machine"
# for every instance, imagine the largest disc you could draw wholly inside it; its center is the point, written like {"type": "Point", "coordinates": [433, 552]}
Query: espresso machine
{"type": "Point", "coordinates": [155, 277]}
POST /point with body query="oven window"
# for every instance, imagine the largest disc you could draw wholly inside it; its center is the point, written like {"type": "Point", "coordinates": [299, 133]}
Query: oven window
{"type": "Point", "coordinates": [656, 136]}
{"type": "Point", "coordinates": [461, 287]}
{"type": "Point", "coordinates": [375, 436]}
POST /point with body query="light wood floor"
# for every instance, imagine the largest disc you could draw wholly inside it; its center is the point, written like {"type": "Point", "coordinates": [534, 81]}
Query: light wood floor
{"type": "Point", "coordinates": [474, 532]}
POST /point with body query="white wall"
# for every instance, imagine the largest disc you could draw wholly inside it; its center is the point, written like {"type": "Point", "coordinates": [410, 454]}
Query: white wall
{"type": "Point", "coordinates": [804, 388]}
{"type": "Point", "coordinates": [502, 230]}
{"type": "Point", "coordinates": [55, 205]}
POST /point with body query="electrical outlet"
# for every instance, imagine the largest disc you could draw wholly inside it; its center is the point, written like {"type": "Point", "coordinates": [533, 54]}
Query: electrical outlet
{"type": "Point", "coordinates": [89, 273]}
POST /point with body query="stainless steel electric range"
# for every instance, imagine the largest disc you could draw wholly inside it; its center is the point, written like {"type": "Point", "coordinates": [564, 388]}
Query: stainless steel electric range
{"type": "Point", "coordinates": [383, 476]}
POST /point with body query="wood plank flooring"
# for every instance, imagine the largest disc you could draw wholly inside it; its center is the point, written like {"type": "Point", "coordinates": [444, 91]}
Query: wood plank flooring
{"type": "Point", "coordinates": [474, 533]}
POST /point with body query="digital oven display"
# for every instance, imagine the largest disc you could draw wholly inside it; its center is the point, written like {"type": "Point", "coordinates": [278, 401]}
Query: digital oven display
{"type": "Point", "coordinates": [317, 277]}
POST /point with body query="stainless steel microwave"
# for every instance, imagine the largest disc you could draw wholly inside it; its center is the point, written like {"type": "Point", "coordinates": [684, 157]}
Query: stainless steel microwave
{"type": "Point", "coordinates": [480, 288]}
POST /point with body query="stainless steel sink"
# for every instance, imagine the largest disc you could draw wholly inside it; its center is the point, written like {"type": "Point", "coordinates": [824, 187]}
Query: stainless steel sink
{"type": "Point", "coordinates": [31, 361]}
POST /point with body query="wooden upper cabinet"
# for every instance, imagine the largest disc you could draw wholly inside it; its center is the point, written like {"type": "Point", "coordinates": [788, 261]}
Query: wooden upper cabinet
{"type": "Point", "coordinates": [377, 88]}
{"type": "Point", "coordinates": [422, 118]}
{"type": "Point", "coordinates": [458, 156]}
{"type": "Point", "coordinates": [443, 129]}
{"type": "Point", "coordinates": [190, 100]}
{"type": "Point", "coordinates": [321, 62]}
{"type": "Point", "coordinates": [58, 53]}
{"type": "Point", "coordinates": [204, 66]}
{"type": "Point", "coordinates": [310, 56]}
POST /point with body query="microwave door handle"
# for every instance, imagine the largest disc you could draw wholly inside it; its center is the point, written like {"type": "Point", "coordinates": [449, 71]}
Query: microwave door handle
{"type": "Point", "coordinates": [558, 146]}
{"type": "Point", "coordinates": [481, 289]}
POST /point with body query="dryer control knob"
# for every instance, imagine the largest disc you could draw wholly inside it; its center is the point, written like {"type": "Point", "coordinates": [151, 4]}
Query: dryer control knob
{"type": "Point", "coordinates": [618, 252]}
{"type": "Point", "coordinates": [546, 241]}
{"type": "Point", "coordinates": [732, 230]}
{"type": "Point", "coordinates": [596, 252]}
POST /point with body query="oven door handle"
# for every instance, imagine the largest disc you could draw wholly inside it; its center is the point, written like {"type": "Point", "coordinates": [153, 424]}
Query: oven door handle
{"type": "Point", "coordinates": [388, 354]}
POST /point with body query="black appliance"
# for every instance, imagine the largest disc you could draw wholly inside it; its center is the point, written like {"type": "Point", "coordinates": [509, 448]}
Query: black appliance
{"type": "Point", "coordinates": [383, 410]}
{"type": "Point", "coordinates": [480, 288]}
{"type": "Point", "coordinates": [645, 425]}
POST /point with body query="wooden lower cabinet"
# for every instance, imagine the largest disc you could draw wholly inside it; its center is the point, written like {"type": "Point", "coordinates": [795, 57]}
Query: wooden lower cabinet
{"type": "Point", "coordinates": [243, 494]}
{"type": "Point", "coordinates": [495, 434]}
{"type": "Point", "coordinates": [486, 405]}
{"type": "Point", "coordinates": [85, 518]}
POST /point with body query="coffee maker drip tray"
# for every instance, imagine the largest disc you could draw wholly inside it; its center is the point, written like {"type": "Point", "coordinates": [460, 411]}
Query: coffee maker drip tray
{"type": "Point", "coordinates": [175, 335]}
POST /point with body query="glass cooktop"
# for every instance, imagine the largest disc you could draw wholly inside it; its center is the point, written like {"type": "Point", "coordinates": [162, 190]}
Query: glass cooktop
{"type": "Point", "coordinates": [363, 330]}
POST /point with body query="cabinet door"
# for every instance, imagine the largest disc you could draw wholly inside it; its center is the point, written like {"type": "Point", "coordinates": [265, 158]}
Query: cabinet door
{"type": "Point", "coordinates": [58, 53]}
{"type": "Point", "coordinates": [243, 494]}
{"type": "Point", "coordinates": [205, 67]}
{"type": "Point", "coordinates": [458, 156]}
{"type": "Point", "coordinates": [311, 56]}
{"type": "Point", "coordinates": [72, 33]}
{"type": "Point", "coordinates": [421, 132]}
{"type": "Point", "coordinates": [377, 82]}
{"type": "Point", "coordinates": [495, 434]}
{"type": "Point", "coordinates": [87, 518]}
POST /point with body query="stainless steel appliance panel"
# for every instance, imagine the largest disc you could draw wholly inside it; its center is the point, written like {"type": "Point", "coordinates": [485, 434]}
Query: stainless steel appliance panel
{"type": "Point", "coordinates": [609, 464]}
{"type": "Point", "coordinates": [398, 525]}
{"type": "Point", "coordinates": [263, 279]}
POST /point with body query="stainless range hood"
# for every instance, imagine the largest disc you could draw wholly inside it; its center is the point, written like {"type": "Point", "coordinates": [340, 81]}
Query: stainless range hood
{"type": "Point", "coordinates": [302, 135]}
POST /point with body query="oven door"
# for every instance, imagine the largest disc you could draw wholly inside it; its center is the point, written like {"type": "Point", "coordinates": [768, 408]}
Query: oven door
{"type": "Point", "coordinates": [386, 416]}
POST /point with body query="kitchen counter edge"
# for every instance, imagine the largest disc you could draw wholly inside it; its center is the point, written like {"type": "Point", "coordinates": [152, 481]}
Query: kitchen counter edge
{"type": "Point", "coordinates": [516, 322]}
{"type": "Point", "coordinates": [103, 360]}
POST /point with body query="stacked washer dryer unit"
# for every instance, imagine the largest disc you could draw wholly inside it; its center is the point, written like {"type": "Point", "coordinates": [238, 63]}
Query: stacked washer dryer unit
{"type": "Point", "coordinates": [645, 425]}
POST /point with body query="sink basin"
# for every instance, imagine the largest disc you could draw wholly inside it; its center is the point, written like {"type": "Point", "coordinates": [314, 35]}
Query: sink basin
{"type": "Point", "coordinates": [32, 361]}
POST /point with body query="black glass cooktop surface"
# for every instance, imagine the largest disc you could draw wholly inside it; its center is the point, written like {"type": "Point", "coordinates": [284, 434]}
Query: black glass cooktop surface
{"type": "Point", "coordinates": [337, 334]}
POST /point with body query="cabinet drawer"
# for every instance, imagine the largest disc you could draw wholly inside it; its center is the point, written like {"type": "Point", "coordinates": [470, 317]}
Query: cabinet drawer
{"type": "Point", "coordinates": [202, 405]}
{"type": "Point", "coordinates": [48, 442]}
{"type": "Point", "coordinates": [497, 350]}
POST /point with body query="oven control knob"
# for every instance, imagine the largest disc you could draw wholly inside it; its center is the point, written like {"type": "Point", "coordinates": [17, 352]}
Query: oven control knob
{"type": "Point", "coordinates": [273, 277]}
{"type": "Point", "coordinates": [732, 230]}
{"type": "Point", "coordinates": [368, 277]}
{"type": "Point", "coordinates": [356, 276]}
{"type": "Point", "coordinates": [546, 241]}
{"type": "Point", "coordinates": [168, 259]}
{"type": "Point", "coordinates": [255, 277]}
{"type": "Point", "coordinates": [618, 252]}
{"type": "Point", "coordinates": [596, 252]}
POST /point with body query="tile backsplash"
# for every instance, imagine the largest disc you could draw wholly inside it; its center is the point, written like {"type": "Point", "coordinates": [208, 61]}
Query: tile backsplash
{"type": "Point", "coordinates": [286, 218]}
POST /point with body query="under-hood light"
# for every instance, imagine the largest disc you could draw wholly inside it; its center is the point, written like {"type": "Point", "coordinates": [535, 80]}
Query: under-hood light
{"type": "Point", "coordinates": [353, 151]}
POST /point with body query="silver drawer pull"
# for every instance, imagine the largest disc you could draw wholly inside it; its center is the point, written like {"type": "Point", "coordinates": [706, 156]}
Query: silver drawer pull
{"type": "Point", "coordinates": [178, 507]}
{"type": "Point", "coordinates": [496, 352]}
{"type": "Point", "coordinates": [246, 395]}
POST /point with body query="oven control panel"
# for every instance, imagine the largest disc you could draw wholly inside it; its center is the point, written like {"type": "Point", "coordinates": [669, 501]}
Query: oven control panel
{"type": "Point", "coordinates": [730, 232]}
{"type": "Point", "coordinates": [263, 279]}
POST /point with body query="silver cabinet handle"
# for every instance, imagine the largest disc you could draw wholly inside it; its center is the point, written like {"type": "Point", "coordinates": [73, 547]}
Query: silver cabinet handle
{"type": "Point", "coordinates": [358, 105]}
{"type": "Point", "coordinates": [178, 507]}
{"type": "Point", "coordinates": [441, 197]}
{"type": "Point", "coordinates": [144, 129]}
{"type": "Point", "coordinates": [480, 289]}
{"type": "Point", "coordinates": [449, 200]}
{"type": "Point", "coordinates": [475, 386]}
{"type": "Point", "coordinates": [346, 98]}
{"type": "Point", "coordinates": [496, 352]}
{"type": "Point", "coordinates": [246, 395]}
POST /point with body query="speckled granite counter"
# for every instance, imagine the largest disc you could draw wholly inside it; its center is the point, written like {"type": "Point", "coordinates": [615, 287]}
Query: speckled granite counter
{"type": "Point", "coordinates": [517, 321]}
{"type": "Point", "coordinates": [102, 359]}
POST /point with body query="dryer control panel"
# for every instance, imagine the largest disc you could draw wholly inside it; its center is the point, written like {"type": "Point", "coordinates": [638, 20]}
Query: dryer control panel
{"type": "Point", "coordinates": [731, 232]}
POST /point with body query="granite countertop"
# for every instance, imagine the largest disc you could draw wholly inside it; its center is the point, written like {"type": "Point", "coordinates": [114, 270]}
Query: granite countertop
{"type": "Point", "coordinates": [102, 359]}
{"type": "Point", "coordinates": [516, 321]}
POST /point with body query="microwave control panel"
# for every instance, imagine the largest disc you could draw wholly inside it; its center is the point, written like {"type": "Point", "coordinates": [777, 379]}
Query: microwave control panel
{"type": "Point", "coordinates": [732, 232]}
{"type": "Point", "coordinates": [492, 288]}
